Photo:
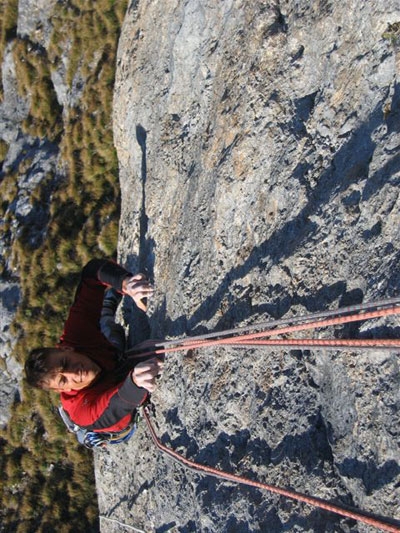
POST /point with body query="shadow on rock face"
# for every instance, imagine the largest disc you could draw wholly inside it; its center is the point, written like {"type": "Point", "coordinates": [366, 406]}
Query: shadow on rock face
{"type": "Point", "coordinates": [310, 449]}
{"type": "Point", "coordinates": [349, 165]}
{"type": "Point", "coordinates": [374, 477]}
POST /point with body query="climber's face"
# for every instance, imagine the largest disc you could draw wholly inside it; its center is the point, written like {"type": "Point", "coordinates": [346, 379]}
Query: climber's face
{"type": "Point", "coordinates": [70, 370]}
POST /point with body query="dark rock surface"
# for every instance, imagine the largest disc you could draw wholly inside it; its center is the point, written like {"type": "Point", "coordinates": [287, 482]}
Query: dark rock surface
{"type": "Point", "coordinates": [259, 153]}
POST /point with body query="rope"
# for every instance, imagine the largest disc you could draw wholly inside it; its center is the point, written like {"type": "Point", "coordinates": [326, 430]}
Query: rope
{"type": "Point", "coordinates": [231, 337]}
{"type": "Point", "coordinates": [310, 500]}
{"type": "Point", "coordinates": [387, 302]}
{"type": "Point", "coordinates": [192, 343]}
{"type": "Point", "coordinates": [324, 343]}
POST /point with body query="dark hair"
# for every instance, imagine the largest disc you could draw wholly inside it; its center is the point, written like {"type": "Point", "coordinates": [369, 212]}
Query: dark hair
{"type": "Point", "coordinates": [37, 366]}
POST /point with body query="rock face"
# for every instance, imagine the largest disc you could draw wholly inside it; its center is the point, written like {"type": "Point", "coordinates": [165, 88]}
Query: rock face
{"type": "Point", "coordinates": [259, 153]}
{"type": "Point", "coordinates": [10, 370]}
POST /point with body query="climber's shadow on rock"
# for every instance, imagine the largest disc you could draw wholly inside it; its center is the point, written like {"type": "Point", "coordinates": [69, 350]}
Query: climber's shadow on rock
{"type": "Point", "coordinates": [349, 167]}
{"type": "Point", "coordinates": [139, 326]}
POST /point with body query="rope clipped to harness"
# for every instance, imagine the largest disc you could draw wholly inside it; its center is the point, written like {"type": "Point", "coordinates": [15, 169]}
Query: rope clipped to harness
{"type": "Point", "coordinates": [310, 500]}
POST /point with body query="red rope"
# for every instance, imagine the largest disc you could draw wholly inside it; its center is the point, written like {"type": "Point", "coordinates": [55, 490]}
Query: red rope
{"type": "Point", "coordinates": [296, 319]}
{"type": "Point", "coordinates": [299, 327]}
{"type": "Point", "coordinates": [357, 343]}
{"type": "Point", "coordinates": [259, 339]}
{"type": "Point", "coordinates": [188, 343]}
{"type": "Point", "coordinates": [310, 500]}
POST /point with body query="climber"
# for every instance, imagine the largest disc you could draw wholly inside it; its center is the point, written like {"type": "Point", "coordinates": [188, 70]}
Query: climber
{"type": "Point", "coordinates": [99, 387]}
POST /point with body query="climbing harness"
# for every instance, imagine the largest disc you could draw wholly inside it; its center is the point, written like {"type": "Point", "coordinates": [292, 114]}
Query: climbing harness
{"type": "Point", "coordinates": [361, 312]}
{"type": "Point", "coordinates": [95, 439]}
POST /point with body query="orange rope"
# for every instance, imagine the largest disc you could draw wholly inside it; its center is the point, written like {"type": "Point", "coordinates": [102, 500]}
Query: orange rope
{"type": "Point", "coordinates": [299, 327]}
{"type": "Point", "coordinates": [359, 343]}
{"type": "Point", "coordinates": [188, 343]}
{"type": "Point", "coordinates": [269, 324]}
{"type": "Point", "coordinates": [310, 500]}
{"type": "Point", "coordinates": [259, 339]}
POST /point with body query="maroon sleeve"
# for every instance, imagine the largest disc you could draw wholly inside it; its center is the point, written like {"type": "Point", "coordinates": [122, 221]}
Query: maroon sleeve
{"type": "Point", "coordinates": [82, 326]}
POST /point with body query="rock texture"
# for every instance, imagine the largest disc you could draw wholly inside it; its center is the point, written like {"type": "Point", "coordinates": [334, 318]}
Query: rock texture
{"type": "Point", "coordinates": [259, 152]}
{"type": "Point", "coordinates": [10, 370]}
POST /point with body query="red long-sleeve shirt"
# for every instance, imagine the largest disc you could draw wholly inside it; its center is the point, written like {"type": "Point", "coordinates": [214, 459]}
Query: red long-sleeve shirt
{"type": "Point", "coordinates": [108, 404]}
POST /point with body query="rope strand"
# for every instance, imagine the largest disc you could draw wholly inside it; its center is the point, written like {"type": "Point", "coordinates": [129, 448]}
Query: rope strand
{"type": "Point", "coordinates": [115, 521]}
{"type": "Point", "coordinates": [310, 500]}
{"type": "Point", "coordinates": [189, 343]}
{"type": "Point", "coordinates": [323, 343]}
{"type": "Point", "coordinates": [387, 302]}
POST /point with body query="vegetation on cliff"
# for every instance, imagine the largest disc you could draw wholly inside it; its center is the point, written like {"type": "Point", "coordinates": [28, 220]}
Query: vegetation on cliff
{"type": "Point", "coordinates": [47, 481]}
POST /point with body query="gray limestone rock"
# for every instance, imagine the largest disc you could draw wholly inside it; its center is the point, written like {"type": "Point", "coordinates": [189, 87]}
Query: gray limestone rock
{"type": "Point", "coordinates": [13, 108]}
{"type": "Point", "coordinates": [10, 370]}
{"type": "Point", "coordinates": [34, 20]}
{"type": "Point", "coordinates": [259, 163]}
